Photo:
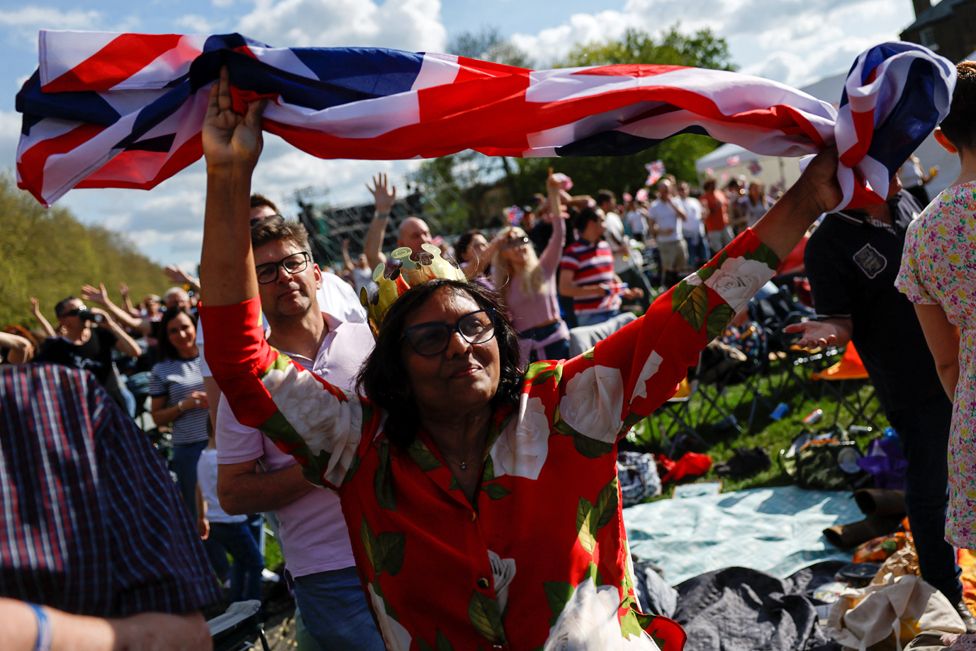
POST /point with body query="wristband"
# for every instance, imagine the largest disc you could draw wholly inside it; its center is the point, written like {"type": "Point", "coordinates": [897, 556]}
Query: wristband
{"type": "Point", "coordinates": [43, 640]}
{"type": "Point", "coordinates": [381, 215]}
{"type": "Point", "coordinates": [179, 406]}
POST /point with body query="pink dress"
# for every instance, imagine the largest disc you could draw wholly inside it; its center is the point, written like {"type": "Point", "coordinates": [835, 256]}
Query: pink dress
{"type": "Point", "coordinates": [939, 268]}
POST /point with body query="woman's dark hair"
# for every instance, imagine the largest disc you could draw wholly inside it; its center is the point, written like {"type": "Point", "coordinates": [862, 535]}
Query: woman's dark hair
{"type": "Point", "coordinates": [462, 244]}
{"type": "Point", "coordinates": [59, 307]}
{"type": "Point", "coordinates": [383, 377]}
{"type": "Point", "coordinates": [166, 348]}
{"type": "Point", "coordinates": [960, 125]}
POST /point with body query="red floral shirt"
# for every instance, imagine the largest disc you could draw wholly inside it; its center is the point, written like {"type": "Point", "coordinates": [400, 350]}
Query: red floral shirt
{"type": "Point", "coordinates": [541, 558]}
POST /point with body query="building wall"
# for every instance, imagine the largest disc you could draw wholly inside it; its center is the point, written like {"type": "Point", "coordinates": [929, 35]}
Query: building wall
{"type": "Point", "coordinates": [955, 35]}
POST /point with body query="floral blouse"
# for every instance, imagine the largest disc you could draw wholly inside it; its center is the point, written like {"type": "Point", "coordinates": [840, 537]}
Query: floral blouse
{"type": "Point", "coordinates": [939, 267]}
{"type": "Point", "coordinates": [540, 560]}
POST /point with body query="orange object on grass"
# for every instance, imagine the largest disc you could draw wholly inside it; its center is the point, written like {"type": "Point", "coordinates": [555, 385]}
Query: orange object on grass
{"type": "Point", "coordinates": [967, 561]}
{"type": "Point", "coordinates": [850, 367]}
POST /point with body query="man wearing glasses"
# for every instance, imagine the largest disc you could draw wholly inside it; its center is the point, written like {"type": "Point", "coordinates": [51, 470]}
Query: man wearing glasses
{"type": "Point", "coordinates": [254, 476]}
{"type": "Point", "coordinates": [84, 347]}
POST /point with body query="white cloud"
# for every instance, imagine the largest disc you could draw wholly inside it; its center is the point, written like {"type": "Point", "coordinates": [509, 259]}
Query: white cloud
{"type": "Point", "coordinates": [554, 43]}
{"type": "Point", "coordinates": [794, 41]}
{"type": "Point", "coordinates": [284, 169]}
{"type": "Point", "coordinates": [402, 24]}
{"type": "Point", "coordinates": [222, 4]}
{"type": "Point", "coordinates": [36, 17]}
{"type": "Point", "coordinates": [195, 24]}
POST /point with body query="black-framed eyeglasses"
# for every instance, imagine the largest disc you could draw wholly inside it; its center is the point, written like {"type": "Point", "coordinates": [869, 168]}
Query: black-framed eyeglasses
{"type": "Point", "coordinates": [429, 339]}
{"type": "Point", "coordinates": [292, 264]}
{"type": "Point", "coordinates": [516, 242]}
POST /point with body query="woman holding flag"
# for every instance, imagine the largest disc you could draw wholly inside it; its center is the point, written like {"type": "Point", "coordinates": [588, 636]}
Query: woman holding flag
{"type": "Point", "coordinates": [482, 497]}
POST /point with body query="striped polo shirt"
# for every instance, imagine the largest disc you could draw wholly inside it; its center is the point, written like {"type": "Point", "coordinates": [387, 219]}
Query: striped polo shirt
{"type": "Point", "coordinates": [176, 379]}
{"type": "Point", "coordinates": [591, 264]}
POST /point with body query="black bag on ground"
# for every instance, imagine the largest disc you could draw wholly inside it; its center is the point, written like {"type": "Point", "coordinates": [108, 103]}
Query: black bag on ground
{"type": "Point", "coordinates": [825, 461]}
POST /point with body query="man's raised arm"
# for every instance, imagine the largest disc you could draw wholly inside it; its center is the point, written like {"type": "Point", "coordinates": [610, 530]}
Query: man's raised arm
{"type": "Point", "coordinates": [383, 198]}
{"type": "Point", "coordinates": [815, 193]}
{"type": "Point", "coordinates": [231, 145]}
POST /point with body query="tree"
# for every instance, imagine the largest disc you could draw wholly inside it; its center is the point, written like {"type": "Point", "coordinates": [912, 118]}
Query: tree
{"type": "Point", "coordinates": [458, 185]}
{"type": "Point", "coordinates": [703, 49]}
{"type": "Point", "coordinates": [49, 254]}
{"type": "Point", "coordinates": [489, 45]}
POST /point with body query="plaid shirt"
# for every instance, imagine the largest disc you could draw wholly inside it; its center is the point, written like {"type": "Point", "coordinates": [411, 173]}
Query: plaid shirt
{"type": "Point", "coordinates": [91, 522]}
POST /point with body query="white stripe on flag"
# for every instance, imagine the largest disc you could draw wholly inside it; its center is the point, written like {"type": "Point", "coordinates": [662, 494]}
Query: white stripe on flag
{"type": "Point", "coordinates": [436, 70]}
{"type": "Point", "coordinates": [285, 59]}
{"type": "Point", "coordinates": [60, 51]}
{"type": "Point", "coordinates": [168, 66]}
{"type": "Point", "coordinates": [364, 119]}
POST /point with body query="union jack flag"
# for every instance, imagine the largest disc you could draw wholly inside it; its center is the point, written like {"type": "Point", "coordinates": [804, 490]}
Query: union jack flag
{"type": "Point", "coordinates": [655, 170]}
{"type": "Point", "coordinates": [124, 110]}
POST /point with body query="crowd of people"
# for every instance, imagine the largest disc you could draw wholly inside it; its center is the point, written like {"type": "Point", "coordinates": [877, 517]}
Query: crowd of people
{"type": "Point", "coordinates": [438, 469]}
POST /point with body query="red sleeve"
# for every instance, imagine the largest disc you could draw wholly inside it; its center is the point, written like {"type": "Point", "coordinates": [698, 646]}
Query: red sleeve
{"type": "Point", "coordinates": [633, 371]}
{"type": "Point", "coordinates": [238, 355]}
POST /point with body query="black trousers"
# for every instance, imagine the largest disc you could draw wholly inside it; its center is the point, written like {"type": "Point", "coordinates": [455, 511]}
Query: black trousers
{"type": "Point", "coordinates": [924, 433]}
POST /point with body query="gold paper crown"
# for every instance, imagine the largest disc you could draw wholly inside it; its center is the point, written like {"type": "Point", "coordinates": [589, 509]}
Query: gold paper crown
{"type": "Point", "coordinates": [404, 269]}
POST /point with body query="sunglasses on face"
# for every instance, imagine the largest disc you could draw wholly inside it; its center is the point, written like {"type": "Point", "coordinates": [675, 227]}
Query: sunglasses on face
{"type": "Point", "coordinates": [74, 312]}
{"type": "Point", "coordinates": [430, 339]}
{"type": "Point", "coordinates": [516, 242]}
{"type": "Point", "coordinates": [292, 264]}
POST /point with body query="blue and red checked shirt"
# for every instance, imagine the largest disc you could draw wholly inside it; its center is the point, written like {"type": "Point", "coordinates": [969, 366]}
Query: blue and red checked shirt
{"type": "Point", "coordinates": [91, 522]}
{"type": "Point", "coordinates": [591, 264]}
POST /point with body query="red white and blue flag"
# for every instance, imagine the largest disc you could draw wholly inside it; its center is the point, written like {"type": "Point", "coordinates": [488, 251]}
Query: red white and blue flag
{"type": "Point", "coordinates": [125, 110]}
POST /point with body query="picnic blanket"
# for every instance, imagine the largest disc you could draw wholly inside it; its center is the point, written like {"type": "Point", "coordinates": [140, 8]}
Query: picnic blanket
{"type": "Point", "coordinates": [773, 530]}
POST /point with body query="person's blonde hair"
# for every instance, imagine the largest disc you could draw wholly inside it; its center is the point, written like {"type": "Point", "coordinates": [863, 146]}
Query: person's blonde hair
{"type": "Point", "coordinates": [502, 273]}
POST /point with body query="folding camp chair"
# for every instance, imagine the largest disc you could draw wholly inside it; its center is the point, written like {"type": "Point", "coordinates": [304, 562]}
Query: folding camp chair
{"type": "Point", "coordinates": [673, 418]}
{"type": "Point", "coordinates": [238, 628]}
{"type": "Point", "coordinates": [843, 383]}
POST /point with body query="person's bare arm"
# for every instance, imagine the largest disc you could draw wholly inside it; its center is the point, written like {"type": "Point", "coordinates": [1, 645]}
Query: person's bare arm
{"type": "Point", "coordinates": [815, 193]}
{"type": "Point", "coordinates": [231, 145]}
{"type": "Point", "coordinates": [146, 631]}
{"type": "Point", "coordinates": [39, 316]}
{"type": "Point", "coordinates": [554, 247]}
{"type": "Point", "coordinates": [568, 288]}
{"type": "Point", "coordinates": [242, 488]}
{"type": "Point", "coordinates": [203, 525]}
{"type": "Point", "coordinates": [211, 388]}
{"type": "Point", "coordinates": [577, 201]}
{"type": "Point", "coordinates": [822, 333]}
{"type": "Point", "coordinates": [476, 267]}
{"type": "Point", "coordinates": [21, 350]}
{"type": "Point", "coordinates": [346, 260]}
{"type": "Point", "coordinates": [127, 301]}
{"type": "Point", "coordinates": [100, 296]}
{"type": "Point", "coordinates": [384, 197]}
{"type": "Point", "coordinates": [164, 415]}
{"type": "Point", "coordinates": [943, 340]}
{"type": "Point", "coordinates": [677, 210]}
{"type": "Point", "coordinates": [124, 343]}
{"type": "Point", "coordinates": [181, 277]}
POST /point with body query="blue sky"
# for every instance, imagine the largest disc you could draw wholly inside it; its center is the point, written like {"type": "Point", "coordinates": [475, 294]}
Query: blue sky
{"type": "Point", "coordinates": [794, 41]}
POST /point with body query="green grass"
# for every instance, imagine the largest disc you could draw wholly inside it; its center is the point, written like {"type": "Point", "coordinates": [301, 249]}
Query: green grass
{"type": "Point", "coordinates": [802, 396]}
{"type": "Point", "coordinates": [273, 557]}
